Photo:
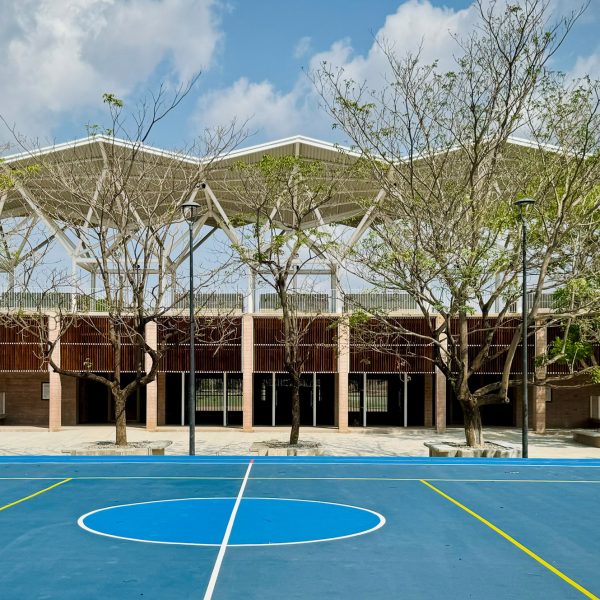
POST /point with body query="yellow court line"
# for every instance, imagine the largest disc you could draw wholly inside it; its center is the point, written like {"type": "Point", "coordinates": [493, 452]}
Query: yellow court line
{"type": "Point", "coordinates": [34, 494]}
{"type": "Point", "coordinates": [514, 542]}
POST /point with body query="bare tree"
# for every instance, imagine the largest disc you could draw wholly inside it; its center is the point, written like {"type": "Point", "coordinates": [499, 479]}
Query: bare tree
{"type": "Point", "coordinates": [445, 230]}
{"type": "Point", "coordinates": [113, 204]}
{"type": "Point", "coordinates": [282, 233]}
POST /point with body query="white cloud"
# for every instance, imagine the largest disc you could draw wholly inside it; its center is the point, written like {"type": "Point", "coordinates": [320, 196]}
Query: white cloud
{"type": "Point", "coordinates": [59, 56]}
{"type": "Point", "coordinates": [303, 47]}
{"type": "Point", "coordinates": [279, 113]}
{"type": "Point", "coordinates": [587, 65]}
{"type": "Point", "coordinates": [269, 111]}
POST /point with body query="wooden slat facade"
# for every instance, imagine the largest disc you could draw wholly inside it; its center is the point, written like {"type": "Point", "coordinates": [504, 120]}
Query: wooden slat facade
{"type": "Point", "coordinates": [20, 351]}
{"type": "Point", "coordinates": [218, 344]}
{"type": "Point", "coordinates": [395, 352]}
{"type": "Point", "coordinates": [86, 346]}
{"type": "Point", "coordinates": [318, 347]}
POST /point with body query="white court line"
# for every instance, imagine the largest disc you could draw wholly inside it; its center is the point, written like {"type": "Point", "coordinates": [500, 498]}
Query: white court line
{"type": "Point", "coordinates": [215, 572]}
{"type": "Point", "coordinates": [200, 478]}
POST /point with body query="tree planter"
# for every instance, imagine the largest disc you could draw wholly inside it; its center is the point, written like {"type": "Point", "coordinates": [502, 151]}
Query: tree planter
{"type": "Point", "coordinates": [454, 449]}
{"type": "Point", "coordinates": [587, 437]}
{"type": "Point", "coordinates": [144, 448]}
{"type": "Point", "coordinates": [276, 448]}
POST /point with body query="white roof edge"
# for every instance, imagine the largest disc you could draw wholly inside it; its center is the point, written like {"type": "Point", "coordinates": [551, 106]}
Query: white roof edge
{"type": "Point", "coordinates": [95, 139]}
{"type": "Point", "coordinates": [532, 144]}
{"type": "Point", "coordinates": [265, 147]}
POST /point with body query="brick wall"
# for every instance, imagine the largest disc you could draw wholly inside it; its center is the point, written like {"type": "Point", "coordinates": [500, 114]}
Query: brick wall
{"type": "Point", "coordinates": [570, 407]}
{"type": "Point", "coordinates": [24, 404]}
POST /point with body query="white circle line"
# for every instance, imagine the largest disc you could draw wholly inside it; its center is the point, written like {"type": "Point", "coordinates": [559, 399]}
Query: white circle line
{"type": "Point", "coordinates": [82, 524]}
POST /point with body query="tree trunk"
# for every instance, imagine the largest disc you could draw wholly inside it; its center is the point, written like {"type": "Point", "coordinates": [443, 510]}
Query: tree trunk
{"type": "Point", "coordinates": [472, 417]}
{"type": "Point", "coordinates": [121, 421]}
{"type": "Point", "coordinates": [295, 431]}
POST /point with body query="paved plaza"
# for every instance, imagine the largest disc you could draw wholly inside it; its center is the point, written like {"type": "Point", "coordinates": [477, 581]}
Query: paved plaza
{"type": "Point", "coordinates": [358, 442]}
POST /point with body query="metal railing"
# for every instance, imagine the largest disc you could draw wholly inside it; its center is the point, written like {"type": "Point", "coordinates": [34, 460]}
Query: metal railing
{"type": "Point", "coordinates": [547, 302]}
{"type": "Point", "coordinates": [301, 302]}
{"type": "Point", "coordinates": [212, 302]}
{"type": "Point", "coordinates": [379, 300]}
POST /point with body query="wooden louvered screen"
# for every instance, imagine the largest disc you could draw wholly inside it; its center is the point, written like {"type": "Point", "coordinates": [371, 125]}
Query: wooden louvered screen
{"type": "Point", "coordinates": [385, 350]}
{"type": "Point", "coordinates": [503, 336]}
{"type": "Point", "coordinates": [218, 344]}
{"type": "Point", "coordinates": [86, 345]}
{"type": "Point", "coordinates": [318, 345]}
{"type": "Point", "coordinates": [20, 350]}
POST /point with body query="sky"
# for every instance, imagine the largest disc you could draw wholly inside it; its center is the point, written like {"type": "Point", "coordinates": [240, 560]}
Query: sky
{"type": "Point", "coordinates": [60, 56]}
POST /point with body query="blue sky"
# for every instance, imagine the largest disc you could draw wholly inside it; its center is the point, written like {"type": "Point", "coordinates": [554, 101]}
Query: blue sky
{"type": "Point", "coordinates": [59, 56]}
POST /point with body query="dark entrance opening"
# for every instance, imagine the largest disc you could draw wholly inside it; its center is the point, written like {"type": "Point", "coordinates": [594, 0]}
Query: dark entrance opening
{"type": "Point", "coordinates": [95, 404]}
{"type": "Point", "coordinates": [218, 399]}
{"type": "Point", "coordinates": [378, 400]}
{"type": "Point", "coordinates": [492, 415]}
{"type": "Point", "coordinates": [317, 400]}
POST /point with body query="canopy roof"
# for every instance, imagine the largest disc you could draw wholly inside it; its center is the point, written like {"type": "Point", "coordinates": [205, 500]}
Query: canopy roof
{"type": "Point", "coordinates": [65, 178]}
{"type": "Point", "coordinates": [62, 180]}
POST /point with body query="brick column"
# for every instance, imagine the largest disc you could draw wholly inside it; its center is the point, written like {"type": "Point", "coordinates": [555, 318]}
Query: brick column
{"type": "Point", "coordinates": [440, 391]}
{"type": "Point", "coordinates": [341, 378]}
{"type": "Point", "coordinates": [539, 392]}
{"type": "Point", "coordinates": [55, 402]}
{"type": "Point", "coordinates": [440, 401]}
{"type": "Point", "coordinates": [428, 399]}
{"type": "Point", "coordinates": [247, 370]}
{"type": "Point", "coordinates": [151, 388]}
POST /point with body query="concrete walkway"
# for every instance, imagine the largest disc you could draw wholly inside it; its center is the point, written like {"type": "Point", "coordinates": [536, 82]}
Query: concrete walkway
{"type": "Point", "coordinates": [359, 442]}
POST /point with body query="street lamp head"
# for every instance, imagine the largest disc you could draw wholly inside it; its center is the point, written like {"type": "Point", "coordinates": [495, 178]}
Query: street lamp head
{"type": "Point", "coordinates": [524, 202]}
{"type": "Point", "coordinates": [190, 210]}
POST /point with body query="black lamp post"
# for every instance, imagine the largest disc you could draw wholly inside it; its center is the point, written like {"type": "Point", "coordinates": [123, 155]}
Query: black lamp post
{"type": "Point", "coordinates": [523, 204]}
{"type": "Point", "coordinates": [142, 354]}
{"type": "Point", "coordinates": [191, 211]}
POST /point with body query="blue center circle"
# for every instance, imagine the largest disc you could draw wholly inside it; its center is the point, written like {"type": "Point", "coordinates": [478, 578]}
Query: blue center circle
{"type": "Point", "coordinates": [258, 522]}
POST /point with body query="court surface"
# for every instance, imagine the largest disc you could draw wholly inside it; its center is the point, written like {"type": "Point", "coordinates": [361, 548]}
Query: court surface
{"type": "Point", "coordinates": [235, 527]}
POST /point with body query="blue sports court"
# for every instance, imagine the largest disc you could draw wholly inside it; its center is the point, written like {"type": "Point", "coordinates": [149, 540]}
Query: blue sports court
{"type": "Point", "coordinates": [235, 527]}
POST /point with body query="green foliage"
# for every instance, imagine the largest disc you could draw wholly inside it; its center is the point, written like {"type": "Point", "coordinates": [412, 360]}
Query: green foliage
{"type": "Point", "coordinates": [112, 100]}
{"type": "Point", "coordinates": [10, 179]}
{"type": "Point", "coordinates": [570, 349]}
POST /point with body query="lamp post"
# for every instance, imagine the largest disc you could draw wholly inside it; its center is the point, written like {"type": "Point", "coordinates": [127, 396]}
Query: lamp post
{"type": "Point", "coordinates": [190, 211]}
{"type": "Point", "coordinates": [523, 204]}
{"type": "Point", "coordinates": [142, 354]}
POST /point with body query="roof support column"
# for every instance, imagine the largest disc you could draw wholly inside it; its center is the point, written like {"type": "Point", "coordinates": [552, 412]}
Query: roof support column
{"type": "Point", "coordinates": [247, 370]}
{"type": "Point", "coordinates": [152, 387]}
{"type": "Point", "coordinates": [55, 400]}
{"type": "Point", "coordinates": [341, 377]}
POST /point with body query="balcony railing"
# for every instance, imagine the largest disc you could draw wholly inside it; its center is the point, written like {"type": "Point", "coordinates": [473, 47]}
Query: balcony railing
{"type": "Point", "coordinates": [301, 302]}
{"type": "Point", "coordinates": [546, 302]}
{"type": "Point", "coordinates": [379, 301]}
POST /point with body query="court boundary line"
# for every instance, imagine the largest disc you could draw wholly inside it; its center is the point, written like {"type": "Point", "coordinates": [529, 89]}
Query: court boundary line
{"type": "Point", "coordinates": [332, 460]}
{"type": "Point", "coordinates": [217, 566]}
{"type": "Point", "coordinates": [515, 542]}
{"type": "Point", "coordinates": [47, 489]}
{"type": "Point", "coordinates": [225, 478]}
